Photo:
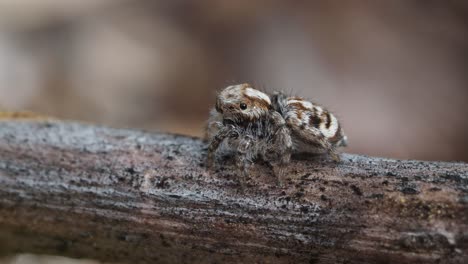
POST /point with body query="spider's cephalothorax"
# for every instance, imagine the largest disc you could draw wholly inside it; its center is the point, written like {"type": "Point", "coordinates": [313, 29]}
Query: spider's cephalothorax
{"type": "Point", "coordinates": [242, 103]}
{"type": "Point", "coordinates": [244, 122]}
{"type": "Point", "coordinates": [254, 125]}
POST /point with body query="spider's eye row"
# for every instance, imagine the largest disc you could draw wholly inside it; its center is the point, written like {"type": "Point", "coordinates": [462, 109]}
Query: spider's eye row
{"type": "Point", "coordinates": [243, 106]}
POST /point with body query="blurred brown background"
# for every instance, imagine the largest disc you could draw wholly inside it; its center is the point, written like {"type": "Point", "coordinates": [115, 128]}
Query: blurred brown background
{"type": "Point", "coordinates": [395, 72]}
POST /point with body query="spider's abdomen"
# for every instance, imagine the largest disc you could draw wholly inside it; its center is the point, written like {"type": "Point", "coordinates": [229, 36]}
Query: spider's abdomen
{"type": "Point", "coordinates": [309, 120]}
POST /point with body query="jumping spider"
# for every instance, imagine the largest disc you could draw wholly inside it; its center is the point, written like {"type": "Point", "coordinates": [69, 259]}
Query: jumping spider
{"type": "Point", "coordinates": [255, 125]}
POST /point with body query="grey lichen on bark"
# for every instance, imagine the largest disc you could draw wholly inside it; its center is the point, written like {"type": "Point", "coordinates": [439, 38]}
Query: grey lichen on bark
{"type": "Point", "coordinates": [122, 195]}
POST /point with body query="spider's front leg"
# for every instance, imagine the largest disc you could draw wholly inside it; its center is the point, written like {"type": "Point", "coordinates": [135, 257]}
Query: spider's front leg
{"type": "Point", "coordinates": [282, 148]}
{"type": "Point", "coordinates": [279, 152]}
{"type": "Point", "coordinates": [223, 133]}
{"type": "Point", "coordinates": [244, 157]}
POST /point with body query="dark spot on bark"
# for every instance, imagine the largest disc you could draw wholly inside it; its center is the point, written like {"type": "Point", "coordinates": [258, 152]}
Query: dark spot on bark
{"type": "Point", "coordinates": [423, 241]}
{"type": "Point", "coordinates": [464, 199]}
{"type": "Point", "coordinates": [162, 183]}
{"type": "Point", "coordinates": [356, 190]}
{"type": "Point", "coordinates": [48, 125]}
{"type": "Point", "coordinates": [134, 238]}
{"type": "Point", "coordinates": [434, 189]}
{"type": "Point", "coordinates": [462, 240]}
{"type": "Point", "coordinates": [390, 173]}
{"type": "Point", "coordinates": [385, 182]}
{"type": "Point", "coordinates": [164, 241]}
{"type": "Point", "coordinates": [323, 197]}
{"type": "Point", "coordinates": [409, 189]}
{"type": "Point", "coordinates": [455, 177]}
{"type": "Point", "coordinates": [338, 182]}
{"type": "Point", "coordinates": [85, 235]}
{"type": "Point", "coordinates": [130, 170]}
{"type": "Point", "coordinates": [376, 196]}
{"type": "Point", "coordinates": [63, 245]}
{"type": "Point", "coordinates": [322, 188]}
{"type": "Point", "coordinates": [314, 258]}
{"type": "Point", "coordinates": [299, 194]}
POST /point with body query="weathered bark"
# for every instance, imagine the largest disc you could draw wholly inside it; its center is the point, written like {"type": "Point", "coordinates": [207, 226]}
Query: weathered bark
{"type": "Point", "coordinates": [119, 195]}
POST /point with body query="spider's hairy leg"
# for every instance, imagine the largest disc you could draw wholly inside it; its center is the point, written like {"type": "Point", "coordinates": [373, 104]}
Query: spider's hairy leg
{"type": "Point", "coordinates": [212, 128]}
{"type": "Point", "coordinates": [334, 155]}
{"type": "Point", "coordinates": [279, 154]}
{"type": "Point", "coordinates": [244, 158]}
{"type": "Point", "coordinates": [223, 133]}
{"type": "Point", "coordinates": [283, 145]}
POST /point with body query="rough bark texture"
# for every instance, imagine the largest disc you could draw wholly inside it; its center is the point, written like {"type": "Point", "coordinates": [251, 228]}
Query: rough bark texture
{"type": "Point", "coordinates": [119, 195]}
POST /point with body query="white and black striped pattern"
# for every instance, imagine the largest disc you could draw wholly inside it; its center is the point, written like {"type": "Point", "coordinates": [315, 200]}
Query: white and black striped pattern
{"type": "Point", "coordinates": [305, 115]}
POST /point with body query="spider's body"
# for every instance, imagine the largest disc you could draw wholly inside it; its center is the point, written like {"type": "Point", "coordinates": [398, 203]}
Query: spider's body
{"type": "Point", "coordinates": [313, 128]}
{"type": "Point", "coordinates": [255, 125]}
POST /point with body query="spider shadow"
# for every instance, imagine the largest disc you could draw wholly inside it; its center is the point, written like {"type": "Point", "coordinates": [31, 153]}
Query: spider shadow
{"type": "Point", "coordinates": [305, 156]}
{"type": "Point", "coordinates": [320, 159]}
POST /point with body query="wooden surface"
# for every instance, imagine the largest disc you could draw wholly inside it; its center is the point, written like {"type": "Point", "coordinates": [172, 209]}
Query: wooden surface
{"type": "Point", "coordinates": [119, 195]}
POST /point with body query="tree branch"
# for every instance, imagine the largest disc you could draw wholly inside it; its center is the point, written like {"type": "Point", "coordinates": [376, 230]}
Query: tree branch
{"type": "Point", "coordinates": [119, 195]}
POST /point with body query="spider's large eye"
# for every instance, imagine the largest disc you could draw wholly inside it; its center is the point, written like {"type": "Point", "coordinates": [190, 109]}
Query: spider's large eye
{"type": "Point", "coordinates": [243, 106]}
